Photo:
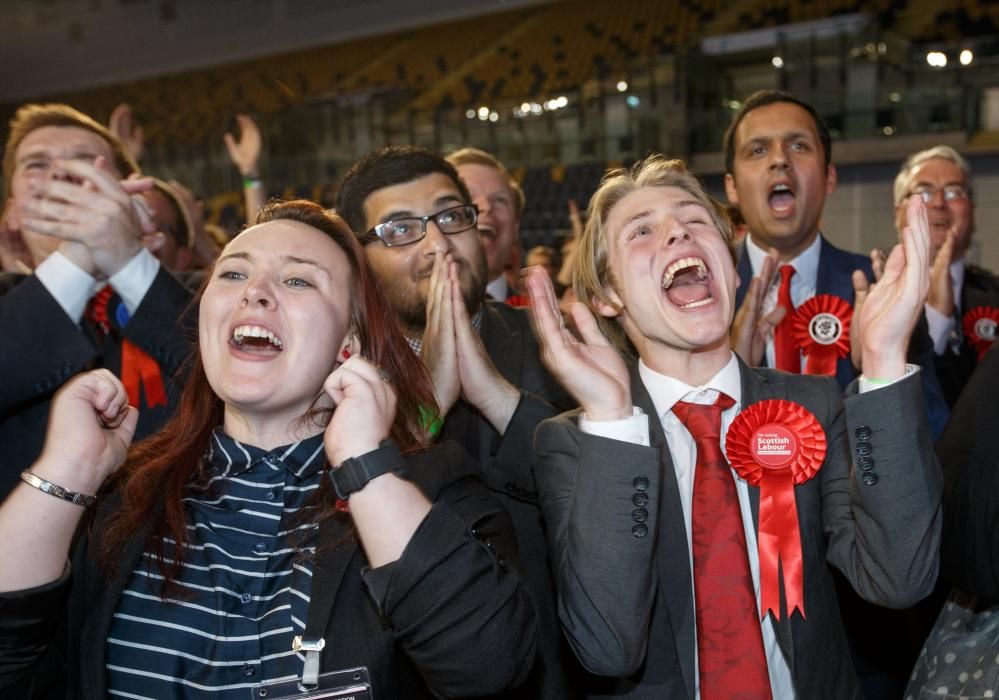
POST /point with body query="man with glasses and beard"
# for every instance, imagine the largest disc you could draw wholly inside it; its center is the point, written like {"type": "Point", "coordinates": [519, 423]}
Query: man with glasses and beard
{"type": "Point", "coordinates": [417, 221]}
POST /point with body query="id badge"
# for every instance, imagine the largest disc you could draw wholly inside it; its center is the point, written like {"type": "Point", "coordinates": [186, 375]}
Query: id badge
{"type": "Point", "coordinates": [349, 684]}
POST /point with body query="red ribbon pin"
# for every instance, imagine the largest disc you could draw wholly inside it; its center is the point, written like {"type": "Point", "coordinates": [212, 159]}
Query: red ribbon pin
{"type": "Point", "coordinates": [775, 445]}
{"type": "Point", "coordinates": [981, 327]}
{"type": "Point", "coordinates": [821, 329]}
{"type": "Point", "coordinates": [139, 369]}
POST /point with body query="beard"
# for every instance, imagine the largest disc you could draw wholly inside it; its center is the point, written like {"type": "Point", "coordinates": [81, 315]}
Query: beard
{"type": "Point", "coordinates": [410, 303]}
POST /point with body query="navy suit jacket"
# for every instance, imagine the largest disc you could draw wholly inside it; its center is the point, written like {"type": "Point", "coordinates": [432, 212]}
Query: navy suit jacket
{"type": "Point", "coordinates": [835, 273]}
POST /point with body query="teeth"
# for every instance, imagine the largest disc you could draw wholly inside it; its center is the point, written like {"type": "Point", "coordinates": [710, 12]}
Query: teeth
{"type": "Point", "coordinates": [241, 332]}
{"type": "Point", "coordinates": [682, 264]}
{"type": "Point", "coordinates": [781, 188]}
{"type": "Point", "coordinates": [695, 304]}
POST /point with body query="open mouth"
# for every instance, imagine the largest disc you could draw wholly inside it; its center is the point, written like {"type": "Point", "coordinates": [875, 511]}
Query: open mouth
{"type": "Point", "coordinates": [254, 339]}
{"type": "Point", "coordinates": [686, 283]}
{"type": "Point", "coordinates": [487, 232]}
{"type": "Point", "coordinates": [781, 198]}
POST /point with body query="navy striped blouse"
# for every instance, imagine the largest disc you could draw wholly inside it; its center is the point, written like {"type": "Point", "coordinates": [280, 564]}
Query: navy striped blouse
{"type": "Point", "coordinates": [243, 591]}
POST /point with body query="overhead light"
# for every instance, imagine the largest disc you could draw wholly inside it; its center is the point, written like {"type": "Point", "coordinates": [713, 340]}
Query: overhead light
{"type": "Point", "coordinates": [494, 116]}
{"type": "Point", "coordinates": [888, 130]}
{"type": "Point", "coordinates": [632, 101]}
{"type": "Point", "coordinates": [937, 59]}
{"type": "Point", "coordinates": [966, 57]}
{"type": "Point", "coordinates": [777, 61]}
{"type": "Point", "coordinates": [470, 114]}
{"type": "Point", "coordinates": [622, 86]}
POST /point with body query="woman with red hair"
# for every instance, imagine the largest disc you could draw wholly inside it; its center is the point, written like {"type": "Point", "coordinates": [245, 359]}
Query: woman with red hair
{"type": "Point", "coordinates": [227, 557]}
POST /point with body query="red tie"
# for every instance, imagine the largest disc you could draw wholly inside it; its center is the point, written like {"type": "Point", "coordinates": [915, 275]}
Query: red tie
{"type": "Point", "coordinates": [137, 368]}
{"type": "Point", "coordinates": [97, 311]}
{"type": "Point", "coordinates": [731, 661]}
{"type": "Point", "coordinates": [786, 353]}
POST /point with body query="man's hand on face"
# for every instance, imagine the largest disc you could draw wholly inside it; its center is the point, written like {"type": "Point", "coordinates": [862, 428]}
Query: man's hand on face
{"type": "Point", "coordinates": [481, 383]}
{"type": "Point", "coordinates": [751, 328]}
{"type": "Point", "coordinates": [99, 221]}
{"type": "Point", "coordinates": [438, 350]}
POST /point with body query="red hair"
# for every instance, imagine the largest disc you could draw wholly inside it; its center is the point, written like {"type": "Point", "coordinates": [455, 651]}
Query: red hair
{"type": "Point", "coordinates": [166, 465]}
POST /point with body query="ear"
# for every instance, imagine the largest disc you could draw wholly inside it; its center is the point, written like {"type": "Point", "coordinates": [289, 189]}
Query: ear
{"type": "Point", "coordinates": [348, 348]}
{"type": "Point", "coordinates": [730, 192]}
{"type": "Point", "coordinates": [831, 179]}
{"type": "Point", "coordinates": [611, 310]}
{"type": "Point", "coordinates": [185, 256]}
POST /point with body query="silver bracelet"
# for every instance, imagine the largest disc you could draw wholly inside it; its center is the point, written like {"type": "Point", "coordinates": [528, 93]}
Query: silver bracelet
{"type": "Point", "coordinates": [80, 499]}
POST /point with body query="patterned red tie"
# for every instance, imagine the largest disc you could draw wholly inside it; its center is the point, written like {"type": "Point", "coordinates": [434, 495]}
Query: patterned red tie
{"type": "Point", "coordinates": [97, 311]}
{"type": "Point", "coordinates": [731, 660]}
{"type": "Point", "coordinates": [786, 354]}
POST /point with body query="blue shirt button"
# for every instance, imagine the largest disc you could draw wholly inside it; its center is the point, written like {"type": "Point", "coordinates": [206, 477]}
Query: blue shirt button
{"type": "Point", "coordinates": [246, 598]}
{"type": "Point", "coordinates": [260, 548]}
{"type": "Point", "coordinates": [249, 671]}
{"type": "Point", "coordinates": [270, 495]}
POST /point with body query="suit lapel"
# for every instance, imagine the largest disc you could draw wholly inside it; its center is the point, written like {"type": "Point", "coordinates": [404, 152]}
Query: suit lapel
{"type": "Point", "coordinates": [755, 389]}
{"type": "Point", "coordinates": [674, 556]}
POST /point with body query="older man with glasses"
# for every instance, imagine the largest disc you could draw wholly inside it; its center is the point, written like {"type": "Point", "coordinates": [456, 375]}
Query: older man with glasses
{"type": "Point", "coordinates": [962, 308]}
{"type": "Point", "coordinates": [417, 221]}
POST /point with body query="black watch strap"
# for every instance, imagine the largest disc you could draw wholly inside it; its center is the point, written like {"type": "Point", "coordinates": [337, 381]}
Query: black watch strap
{"type": "Point", "coordinates": [354, 473]}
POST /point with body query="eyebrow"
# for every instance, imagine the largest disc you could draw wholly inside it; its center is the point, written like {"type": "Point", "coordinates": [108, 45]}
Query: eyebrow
{"type": "Point", "coordinates": [679, 205]}
{"type": "Point", "coordinates": [78, 155]}
{"type": "Point", "coordinates": [452, 199]}
{"type": "Point", "coordinates": [284, 258]}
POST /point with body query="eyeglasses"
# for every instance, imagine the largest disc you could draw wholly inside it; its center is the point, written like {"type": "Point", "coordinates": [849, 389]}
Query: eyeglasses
{"type": "Point", "coordinates": [951, 193]}
{"type": "Point", "coordinates": [413, 228]}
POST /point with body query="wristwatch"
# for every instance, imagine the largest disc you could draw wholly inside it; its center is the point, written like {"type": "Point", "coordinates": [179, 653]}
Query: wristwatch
{"type": "Point", "coordinates": [354, 473]}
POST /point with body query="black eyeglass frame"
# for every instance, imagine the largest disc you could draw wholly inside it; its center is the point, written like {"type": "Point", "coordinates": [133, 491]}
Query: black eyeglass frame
{"type": "Point", "coordinates": [377, 232]}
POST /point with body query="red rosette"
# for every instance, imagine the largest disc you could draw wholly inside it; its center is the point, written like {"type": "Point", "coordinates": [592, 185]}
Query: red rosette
{"type": "Point", "coordinates": [821, 330]}
{"type": "Point", "coordinates": [981, 327]}
{"type": "Point", "coordinates": [775, 445]}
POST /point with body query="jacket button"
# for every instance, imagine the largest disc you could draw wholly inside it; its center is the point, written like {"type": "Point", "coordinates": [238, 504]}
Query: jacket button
{"type": "Point", "coordinates": [863, 432]}
{"type": "Point", "coordinates": [639, 515]}
{"type": "Point", "coordinates": [640, 531]}
{"type": "Point", "coordinates": [864, 448]}
{"type": "Point", "coordinates": [641, 483]}
{"type": "Point", "coordinates": [870, 478]}
{"type": "Point", "coordinates": [865, 464]}
{"type": "Point", "coordinates": [640, 499]}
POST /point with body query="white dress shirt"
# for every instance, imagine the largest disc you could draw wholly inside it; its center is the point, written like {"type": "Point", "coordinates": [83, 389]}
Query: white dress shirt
{"type": "Point", "coordinates": [803, 283]}
{"type": "Point", "coordinates": [72, 287]}
{"type": "Point", "coordinates": [943, 329]}
{"type": "Point", "coordinates": [498, 289]}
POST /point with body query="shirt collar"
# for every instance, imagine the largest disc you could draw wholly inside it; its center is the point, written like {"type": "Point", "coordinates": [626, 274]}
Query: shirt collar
{"type": "Point", "coordinates": [228, 457]}
{"type": "Point", "coordinates": [666, 391]}
{"type": "Point", "coordinates": [806, 264]}
{"type": "Point", "coordinates": [498, 289]}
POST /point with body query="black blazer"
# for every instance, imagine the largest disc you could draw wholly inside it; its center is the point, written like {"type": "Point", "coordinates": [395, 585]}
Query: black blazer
{"type": "Point", "coordinates": [506, 461]}
{"type": "Point", "coordinates": [450, 618]}
{"type": "Point", "coordinates": [981, 288]}
{"type": "Point", "coordinates": [625, 596]}
{"type": "Point", "coordinates": [43, 348]}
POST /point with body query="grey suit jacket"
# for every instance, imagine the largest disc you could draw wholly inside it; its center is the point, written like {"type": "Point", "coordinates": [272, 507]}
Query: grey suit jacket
{"type": "Point", "coordinates": [625, 593]}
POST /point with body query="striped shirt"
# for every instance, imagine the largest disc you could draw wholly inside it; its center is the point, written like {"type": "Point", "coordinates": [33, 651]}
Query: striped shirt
{"type": "Point", "coordinates": [243, 591]}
